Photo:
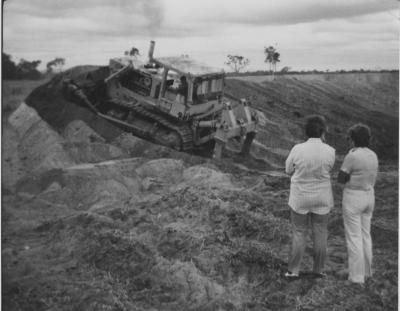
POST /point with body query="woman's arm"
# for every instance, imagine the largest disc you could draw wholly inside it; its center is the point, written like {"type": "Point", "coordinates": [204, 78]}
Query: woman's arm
{"type": "Point", "coordinates": [343, 177]}
{"type": "Point", "coordinates": [347, 168]}
{"type": "Point", "coordinates": [289, 165]}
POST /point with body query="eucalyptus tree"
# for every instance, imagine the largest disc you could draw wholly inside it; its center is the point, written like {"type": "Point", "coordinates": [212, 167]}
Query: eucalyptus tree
{"type": "Point", "coordinates": [237, 62]}
{"type": "Point", "coordinates": [271, 57]}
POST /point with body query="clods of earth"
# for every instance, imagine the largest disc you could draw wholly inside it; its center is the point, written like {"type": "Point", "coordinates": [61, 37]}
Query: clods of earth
{"type": "Point", "coordinates": [96, 219]}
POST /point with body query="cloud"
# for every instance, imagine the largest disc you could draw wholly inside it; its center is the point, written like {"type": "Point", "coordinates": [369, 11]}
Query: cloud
{"type": "Point", "coordinates": [283, 12]}
{"type": "Point", "coordinates": [63, 8]}
{"type": "Point", "coordinates": [110, 17]}
{"type": "Point", "coordinates": [173, 18]}
{"type": "Point", "coordinates": [92, 31]}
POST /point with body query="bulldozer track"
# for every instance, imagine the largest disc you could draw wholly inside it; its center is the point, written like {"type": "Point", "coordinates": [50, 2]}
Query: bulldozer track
{"type": "Point", "coordinates": [183, 130]}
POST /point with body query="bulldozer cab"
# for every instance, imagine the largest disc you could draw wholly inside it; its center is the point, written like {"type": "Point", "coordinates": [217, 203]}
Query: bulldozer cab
{"type": "Point", "coordinates": [179, 86]}
{"type": "Point", "coordinates": [189, 82]}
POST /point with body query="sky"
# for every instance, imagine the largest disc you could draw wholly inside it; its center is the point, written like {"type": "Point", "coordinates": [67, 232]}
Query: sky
{"type": "Point", "coordinates": [308, 34]}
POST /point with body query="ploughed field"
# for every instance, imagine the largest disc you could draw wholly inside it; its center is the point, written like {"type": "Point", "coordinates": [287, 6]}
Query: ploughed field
{"type": "Point", "coordinates": [96, 219]}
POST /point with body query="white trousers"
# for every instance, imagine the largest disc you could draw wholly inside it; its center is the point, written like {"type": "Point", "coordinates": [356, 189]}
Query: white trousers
{"type": "Point", "coordinates": [357, 213]}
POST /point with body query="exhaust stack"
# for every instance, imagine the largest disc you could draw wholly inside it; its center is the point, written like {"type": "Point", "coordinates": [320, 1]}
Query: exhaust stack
{"type": "Point", "coordinates": [151, 50]}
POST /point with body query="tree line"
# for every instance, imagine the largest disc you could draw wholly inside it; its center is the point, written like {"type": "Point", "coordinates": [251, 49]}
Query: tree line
{"type": "Point", "coordinates": [239, 62]}
{"type": "Point", "coordinates": [26, 69]}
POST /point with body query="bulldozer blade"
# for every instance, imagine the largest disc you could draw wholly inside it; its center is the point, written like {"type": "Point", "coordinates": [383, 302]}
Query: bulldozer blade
{"type": "Point", "coordinates": [247, 143]}
{"type": "Point", "coordinates": [219, 146]}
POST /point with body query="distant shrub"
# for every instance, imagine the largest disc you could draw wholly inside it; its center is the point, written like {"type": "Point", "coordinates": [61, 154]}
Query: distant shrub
{"type": "Point", "coordinates": [23, 70]}
{"type": "Point", "coordinates": [9, 68]}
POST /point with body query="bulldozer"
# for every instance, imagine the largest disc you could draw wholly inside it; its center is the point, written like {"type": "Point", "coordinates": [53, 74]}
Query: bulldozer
{"type": "Point", "coordinates": [173, 101]}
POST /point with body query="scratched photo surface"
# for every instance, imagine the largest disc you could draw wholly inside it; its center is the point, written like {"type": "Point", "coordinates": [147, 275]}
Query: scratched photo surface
{"type": "Point", "coordinates": [144, 145]}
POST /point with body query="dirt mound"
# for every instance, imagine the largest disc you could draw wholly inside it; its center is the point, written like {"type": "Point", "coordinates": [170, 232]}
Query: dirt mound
{"type": "Point", "coordinates": [128, 225]}
{"type": "Point", "coordinates": [199, 240]}
{"type": "Point", "coordinates": [51, 104]}
{"type": "Point", "coordinates": [33, 147]}
{"type": "Point", "coordinates": [167, 171]}
{"type": "Point", "coordinates": [78, 131]}
{"type": "Point", "coordinates": [86, 146]}
{"type": "Point", "coordinates": [205, 177]}
{"type": "Point", "coordinates": [36, 147]}
{"type": "Point", "coordinates": [171, 252]}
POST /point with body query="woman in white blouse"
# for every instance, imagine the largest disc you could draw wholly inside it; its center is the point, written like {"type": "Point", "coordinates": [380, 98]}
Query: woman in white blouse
{"type": "Point", "coordinates": [310, 199]}
{"type": "Point", "coordinates": [358, 173]}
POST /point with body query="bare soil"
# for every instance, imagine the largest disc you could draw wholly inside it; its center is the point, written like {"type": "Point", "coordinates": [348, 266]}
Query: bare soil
{"type": "Point", "coordinates": [96, 219]}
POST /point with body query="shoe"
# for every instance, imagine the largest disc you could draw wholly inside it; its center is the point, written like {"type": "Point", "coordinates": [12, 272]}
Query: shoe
{"type": "Point", "coordinates": [291, 275]}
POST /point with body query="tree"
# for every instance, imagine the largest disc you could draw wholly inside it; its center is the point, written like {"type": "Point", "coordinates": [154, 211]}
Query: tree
{"type": "Point", "coordinates": [28, 70]}
{"type": "Point", "coordinates": [285, 69]}
{"type": "Point", "coordinates": [237, 62]}
{"type": "Point", "coordinates": [9, 68]}
{"type": "Point", "coordinates": [133, 52]}
{"type": "Point", "coordinates": [56, 63]}
{"type": "Point", "coordinates": [23, 70]}
{"type": "Point", "coordinates": [272, 57]}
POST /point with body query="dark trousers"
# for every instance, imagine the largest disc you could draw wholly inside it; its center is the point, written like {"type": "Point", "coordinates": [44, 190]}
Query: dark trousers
{"type": "Point", "coordinates": [300, 225]}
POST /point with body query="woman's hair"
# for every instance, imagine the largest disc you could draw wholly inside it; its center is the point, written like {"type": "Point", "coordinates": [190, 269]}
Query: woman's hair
{"type": "Point", "coordinates": [360, 134]}
{"type": "Point", "coordinates": [315, 126]}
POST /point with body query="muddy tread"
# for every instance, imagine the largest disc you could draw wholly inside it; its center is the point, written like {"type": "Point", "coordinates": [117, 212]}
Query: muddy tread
{"type": "Point", "coordinates": [183, 130]}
